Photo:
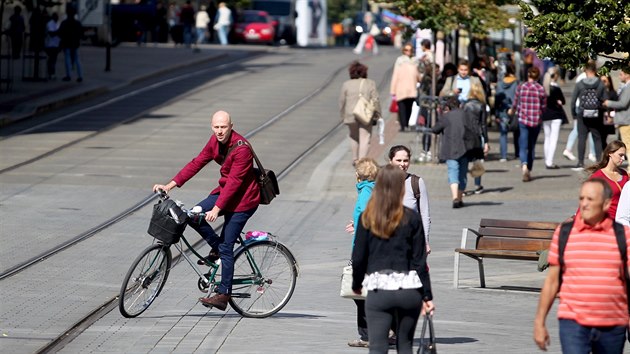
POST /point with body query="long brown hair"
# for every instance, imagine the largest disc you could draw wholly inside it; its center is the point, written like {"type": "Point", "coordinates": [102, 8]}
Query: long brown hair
{"type": "Point", "coordinates": [385, 210]}
{"type": "Point", "coordinates": [613, 146]}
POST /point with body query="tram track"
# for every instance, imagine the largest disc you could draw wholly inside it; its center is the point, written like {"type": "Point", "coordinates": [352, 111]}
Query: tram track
{"type": "Point", "coordinates": [111, 304]}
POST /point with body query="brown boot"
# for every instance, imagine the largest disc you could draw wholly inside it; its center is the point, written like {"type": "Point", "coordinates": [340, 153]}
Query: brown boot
{"type": "Point", "coordinates": [218, 301]}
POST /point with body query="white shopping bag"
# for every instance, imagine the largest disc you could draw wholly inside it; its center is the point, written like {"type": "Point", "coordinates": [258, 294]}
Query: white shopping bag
{"type": "Point", "coordinates": [415, 112]}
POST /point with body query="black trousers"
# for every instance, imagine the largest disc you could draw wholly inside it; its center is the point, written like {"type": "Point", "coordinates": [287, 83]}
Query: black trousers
{"type": "Point", "coordinates": [596, 127]}
{"type": "Point", "coordinates": [404, 112]}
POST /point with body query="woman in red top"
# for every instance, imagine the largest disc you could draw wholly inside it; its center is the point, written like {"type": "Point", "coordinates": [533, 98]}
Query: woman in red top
{"type": "Point", "coordinates": [609, 169]}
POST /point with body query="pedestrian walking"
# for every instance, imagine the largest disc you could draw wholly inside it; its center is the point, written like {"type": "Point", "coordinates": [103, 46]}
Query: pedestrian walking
{"type": "Point", "coordinates": [403, 87]}
{"type": "Point", "coordinates": [589, 113]}
{"type": "Point", "coordinates": [222, 23]}
{"type": "Point", "coordinates": [201, 24]}
{"type": "Point", "coordinates": [573, 135]}
{"type": "Point", "coordinates": [587, 276]}
{"type": "Point", "coordinates": [622, 107]}
{"type": "Point", "coordinates": [553, 117]}
{"type": "Point", "coordinates": [459, 85]}
{"type": "Point", "coordinates": [475, 107]}
{"type": "Point", "coordinates": [503, 101]}
{"type": "Point", "coordinates": [187, 20]}
{"type": "Point", "coordinates": [236, 198]}
{"type": "Point", "coordinates": [366, 40]}
{"type": "Point", "coordinates": [529, 101]}
{"type": "Point", "coordinates": [51, 45]}
{"type": "Point", "coordinates": [366, 170]}
{"type": "Point", "coordinates": [389, 259]}
{"type": "Point", "coordinates": [453, 149]}
{"type": "Point", "coordinates": [70, 32]}
{"type": "Point", "coordinates": [16, 30]}
{"type": "Point", "coordinates": [360, 134]}
{"type": "Point", "coordinates": [416, 195]}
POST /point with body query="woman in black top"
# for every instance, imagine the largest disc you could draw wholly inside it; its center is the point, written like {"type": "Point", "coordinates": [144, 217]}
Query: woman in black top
{"type": "Point", "coordinates": [389, 259]}
{"type": "Point", "coordinates": [553, 116]}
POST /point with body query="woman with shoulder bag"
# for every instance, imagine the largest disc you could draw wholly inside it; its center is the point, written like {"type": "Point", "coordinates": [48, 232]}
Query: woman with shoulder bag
{"type": "Point", "coordinates": [360, 134]}
{"type": "Point", "coordinates": [389, 259]}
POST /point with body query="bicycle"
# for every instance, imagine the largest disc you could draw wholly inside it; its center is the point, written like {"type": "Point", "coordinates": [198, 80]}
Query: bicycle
{"type": "Point", "coordinates": [265, 272]}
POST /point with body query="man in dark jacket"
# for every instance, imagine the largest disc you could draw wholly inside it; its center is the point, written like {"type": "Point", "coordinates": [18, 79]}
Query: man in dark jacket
{"type": "Point", "coordinates": [585, 124]}
{"type": "Point", "coordinates": [236, 198]}
{"type": "Point", "coordinates": [70, 32]}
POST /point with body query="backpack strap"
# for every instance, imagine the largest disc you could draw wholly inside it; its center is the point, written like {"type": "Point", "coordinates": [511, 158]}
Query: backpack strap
{"type": "Point", "coordinates": [415, 180]}
{"type": "Point", "coordinates": [565, 230]}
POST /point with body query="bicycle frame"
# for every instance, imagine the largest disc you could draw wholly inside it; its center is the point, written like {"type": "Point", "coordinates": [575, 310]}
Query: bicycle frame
{"type": "Point", "coordinates": [209, 278]}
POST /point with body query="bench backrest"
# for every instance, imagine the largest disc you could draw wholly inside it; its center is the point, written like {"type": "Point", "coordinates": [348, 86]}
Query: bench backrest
{"type": "Point", "coordinates": [515, 235]}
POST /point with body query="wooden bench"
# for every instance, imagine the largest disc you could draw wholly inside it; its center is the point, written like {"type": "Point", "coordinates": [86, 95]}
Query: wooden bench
{"type": "Point", "coordinates": [504, 239]}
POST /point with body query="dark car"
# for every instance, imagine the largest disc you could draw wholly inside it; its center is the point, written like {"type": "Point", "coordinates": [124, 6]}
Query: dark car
{"type": "Point", "coordinates": [385, 32]}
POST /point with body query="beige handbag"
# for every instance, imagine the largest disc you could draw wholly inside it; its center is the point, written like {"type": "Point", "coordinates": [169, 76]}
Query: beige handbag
{"type": "Point", "coordinates": [364, 109]}
{"type": "Point", "coordinates": [346, 285]}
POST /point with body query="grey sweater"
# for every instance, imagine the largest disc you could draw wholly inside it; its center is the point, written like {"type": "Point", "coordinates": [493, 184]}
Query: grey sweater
{"type": "Point", "coordinates": [622, 106]}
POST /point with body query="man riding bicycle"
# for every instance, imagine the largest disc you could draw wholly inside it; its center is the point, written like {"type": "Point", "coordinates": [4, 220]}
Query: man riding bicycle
{"type": "Point", "coordinates": [236, 198]}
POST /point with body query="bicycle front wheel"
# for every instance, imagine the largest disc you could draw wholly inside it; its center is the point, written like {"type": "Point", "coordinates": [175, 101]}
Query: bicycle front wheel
{"type": "Point", "coordinates": [144, 280]}
{"type": "Point", "coordinates": [264, 279]}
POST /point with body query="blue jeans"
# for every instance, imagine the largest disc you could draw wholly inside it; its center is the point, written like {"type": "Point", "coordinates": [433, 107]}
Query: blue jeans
{"type": "Point", "coordinates": [201, 35]}
{"type": "Point", "coordinates": [234, 222]}
{"type": "Point", "coordinates": [71, 56]}
{"type": "Point", "coordinates": [527, 144]}
{"type": "Point", "coordinates": [222, 32]}
{"type": "Point", "coordinates": [457, 172]}
{"type": "Point", "coordinates": [578, 339]}
{"type": "Point", "coordinates": [503, 138]}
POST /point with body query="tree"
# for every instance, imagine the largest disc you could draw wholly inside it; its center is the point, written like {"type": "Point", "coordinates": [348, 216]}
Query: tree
{"type": "Point", "coordinates": [572, 32]}
{"type": "Point", "coordinates": [476, 16]}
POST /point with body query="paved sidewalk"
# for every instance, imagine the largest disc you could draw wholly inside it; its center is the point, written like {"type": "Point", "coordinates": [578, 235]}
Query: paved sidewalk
{"type": "Point", "coordinates": [129, 64]}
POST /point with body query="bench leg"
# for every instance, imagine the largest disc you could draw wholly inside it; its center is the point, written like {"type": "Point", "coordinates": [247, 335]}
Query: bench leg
{"type": "Point", "coordinates": [482, 276]}
{"type": "Point", "coordinates": [456, 271]}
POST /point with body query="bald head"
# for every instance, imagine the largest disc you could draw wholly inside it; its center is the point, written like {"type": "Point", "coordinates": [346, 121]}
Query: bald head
{"type": "Point", "coordinates": [222, 126]}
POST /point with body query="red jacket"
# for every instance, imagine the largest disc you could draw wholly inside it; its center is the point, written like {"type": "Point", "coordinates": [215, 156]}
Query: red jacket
{"type": "Point", "coordinates": [238, 190]}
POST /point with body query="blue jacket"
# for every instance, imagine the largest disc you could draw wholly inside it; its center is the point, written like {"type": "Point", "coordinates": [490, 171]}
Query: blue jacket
{"type": "Point", "coordinates": [364, 188]}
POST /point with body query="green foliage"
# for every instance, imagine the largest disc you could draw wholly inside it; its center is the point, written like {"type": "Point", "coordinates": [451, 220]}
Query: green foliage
{"type": "Point", "coordinates": [572, 32]}
{"type": "Point", "coordinates": [340, 9]}
{"type": "Point", "coordinates": [477, 16]}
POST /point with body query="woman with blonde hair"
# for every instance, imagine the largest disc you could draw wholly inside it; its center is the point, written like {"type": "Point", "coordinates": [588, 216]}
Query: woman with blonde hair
{"type": "Point", "coordinates": [475, 106]}
{"type": "Point", "coordinates": [389, 259]}
{"type": "Point", "coordinates": [366, 170]}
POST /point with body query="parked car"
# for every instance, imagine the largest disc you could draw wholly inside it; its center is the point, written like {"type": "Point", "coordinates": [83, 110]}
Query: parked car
{"type": "Point", "coordinates": [253, 26]}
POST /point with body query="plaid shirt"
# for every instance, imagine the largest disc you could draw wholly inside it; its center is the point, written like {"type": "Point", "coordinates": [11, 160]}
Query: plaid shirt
{"type": "Point", "coordinates": [530, 99]}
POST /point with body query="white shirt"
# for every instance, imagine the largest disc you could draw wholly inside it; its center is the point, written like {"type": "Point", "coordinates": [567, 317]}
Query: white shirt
{"type": "Point", "coordinates": [202, 19]}
{"type": "Point", "coordinates": [623, 208]}
{"type": "Point", "coordinates": [409, 200]}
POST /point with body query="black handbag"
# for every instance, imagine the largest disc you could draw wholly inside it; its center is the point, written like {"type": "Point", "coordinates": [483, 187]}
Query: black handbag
{"type": "Point", "coordinates": [427, 346]}
{"type": "Point", "coordinates": [266, 179]}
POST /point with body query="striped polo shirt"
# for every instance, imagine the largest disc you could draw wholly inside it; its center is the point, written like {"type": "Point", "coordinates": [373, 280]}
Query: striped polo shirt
{"type": "Point", "coordinates": [592, 292]}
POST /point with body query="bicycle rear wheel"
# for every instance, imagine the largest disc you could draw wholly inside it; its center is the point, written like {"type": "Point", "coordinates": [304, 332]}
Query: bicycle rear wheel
{"type": "Point", "coordinates": [264, 282]}
{"type": "Point", "coordinates": [144, 280]}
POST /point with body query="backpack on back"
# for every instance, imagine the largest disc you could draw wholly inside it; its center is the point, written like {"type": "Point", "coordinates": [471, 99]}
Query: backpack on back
{"type": "Point", "coordinates": [589, 103]}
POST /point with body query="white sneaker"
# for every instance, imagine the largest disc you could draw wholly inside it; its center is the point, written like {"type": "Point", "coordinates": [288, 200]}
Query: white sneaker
{"type": "Point", "coordinates": [566, 153]}
{"type": "Point", "coordinates": [591, 157]}
{"type": "Point", "coordinates": [503, 160]}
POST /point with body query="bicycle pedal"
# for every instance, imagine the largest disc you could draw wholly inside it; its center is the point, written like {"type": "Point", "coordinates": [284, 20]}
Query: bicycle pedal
{"type": "Point", "coordinates": [241, 295]}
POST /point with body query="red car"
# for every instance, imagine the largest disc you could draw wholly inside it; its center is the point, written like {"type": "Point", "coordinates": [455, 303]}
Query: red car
{"type": "Point", "coordinates": [253, 26]}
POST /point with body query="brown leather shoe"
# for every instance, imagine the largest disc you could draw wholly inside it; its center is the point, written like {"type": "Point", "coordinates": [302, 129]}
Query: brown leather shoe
{"type": "Point", "coordinates": [218, 301]}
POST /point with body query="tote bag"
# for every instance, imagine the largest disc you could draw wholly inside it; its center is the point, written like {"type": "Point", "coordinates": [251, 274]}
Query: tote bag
{"type": "Point", "coordinates": [364, 109]}
{"type": "Point", "coordinates": [346, 285]}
